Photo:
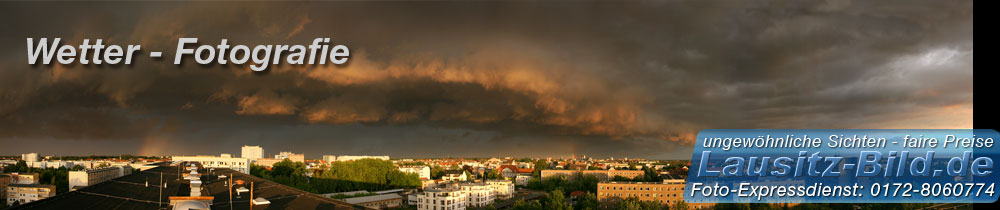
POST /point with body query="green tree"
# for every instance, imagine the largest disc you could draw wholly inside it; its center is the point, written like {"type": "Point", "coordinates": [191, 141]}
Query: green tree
{"type": "Point", "coordinates": [587, 201]}
{"type": "Point", "coordinates": [556, 200]}
{"type": "Point", "coordinates": [539, 166]}
{"type": "Point", "coordinates": [633, 203]}
{"type": "Point", "coordinates": [529, 205]}
{"type": "Point", "coordinates": [437, 172]}
{"type": "Point", "coordinates": [680, 205]}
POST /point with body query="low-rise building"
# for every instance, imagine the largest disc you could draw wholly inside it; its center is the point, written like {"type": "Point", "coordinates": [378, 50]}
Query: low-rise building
{"type": "Point", "coordinates": [511, 171]}
{"type": "Point", "coordinates": [384, 201]}
{"type": "Point", "coordinates": [26, 193]}
{"type": "Point", "coordinates": [455, 176]}
{"type": "Point", "coordinates": [236, 164]}
{"type": "Point", "coordinates": [93, 176]}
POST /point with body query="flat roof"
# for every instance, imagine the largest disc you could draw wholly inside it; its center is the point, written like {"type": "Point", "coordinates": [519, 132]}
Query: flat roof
{"type": "Point", "coordinates": [131, 192]}
{"type": "Point", "coordinates": [367, 199]}
{"type": "Point", "coordinates": [30, 185]}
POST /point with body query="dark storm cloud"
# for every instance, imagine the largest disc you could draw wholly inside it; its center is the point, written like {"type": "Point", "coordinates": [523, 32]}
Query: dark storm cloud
{"type": "Point", "coordinates": [491, 78]}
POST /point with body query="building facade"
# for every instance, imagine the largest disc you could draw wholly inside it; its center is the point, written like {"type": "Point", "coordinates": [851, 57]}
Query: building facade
{"type": "Point", "coordinates": [24, 178]}
{"type": "Point", "coordinates": [668, 192]}
{"type": "Point", "coordinates": [441, 199]}
{"type": "Point", "coordinates": [603, 175]}
{"type": "Point", "coordinates": [423, 172]}
{"type": "Point", "coordinates": [477, 194]}
{"type": "Point", "coordinates": [30, 157]}
{"type": "Point", "coordinates": [502, 189]}
{"type": "Point", "coordinates": [93, 176]}
{"type": "Point", "coordinates": [351, 157]}
{"type": "Point", "coordinates": [291, 156]}
{"type": "Point", "coordinates": [455, 176]}
{"type": "Point", "coordinates": [252, 152]}
{"type": "Point", "coordinates": [522, 180]}
{"type": "Point", "coordinates": [26, 193]}
{"type": "Point", "coordinates": [384, 201]}
{"type": "Point", "coordinates": [329, 158]}
{"type": "Point", "coordinates": [4, 181]}
{"type": "Point", "coordinates": [237, 164]}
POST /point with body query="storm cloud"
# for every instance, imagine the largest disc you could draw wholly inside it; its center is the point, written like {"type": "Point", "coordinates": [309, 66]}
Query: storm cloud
{"type": "Point", "coordinates": [480, 79]}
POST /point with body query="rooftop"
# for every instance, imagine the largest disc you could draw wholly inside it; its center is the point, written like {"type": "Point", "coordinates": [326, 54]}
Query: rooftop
{"type": "Point", "coordinates": [132, 192]}
{"type": "Point", "coordinates": [367, 199]}
{"type": "Point", "coordinates": [30, 185]}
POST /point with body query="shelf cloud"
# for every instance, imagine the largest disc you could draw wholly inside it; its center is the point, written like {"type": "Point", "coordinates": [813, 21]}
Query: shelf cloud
{"type": "Point", "coordinates": [478, 79]}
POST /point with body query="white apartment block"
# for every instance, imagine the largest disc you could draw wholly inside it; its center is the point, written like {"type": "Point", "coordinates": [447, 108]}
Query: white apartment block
{"type": "Point", "coordinates": [502, 189]}
{"type": "Point", "coordinates": [423, 172]}
{"type": "Point", "coordinates": [351, 157]}
{"type": "Point", "coordinates": [477, 194]}
{"type": "Point", "coordinates": [441, 199]}
{"type": "Point", "coordinates": [236, 164]}
{"type": "Point", "coordinates": [252, 152]}
{"type": "Point", "coordinates": [27, 193]}
{"type": "Point", "coordinates": [93, 176]}
{"type": "Point", "coordinates": [30, 157]}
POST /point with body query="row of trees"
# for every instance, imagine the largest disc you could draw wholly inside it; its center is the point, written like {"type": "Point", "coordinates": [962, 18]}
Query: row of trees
{"type": "Point", "coordinates": [364, 174]}
{"type": "Point", "coordinates": [557, 200]}
{"type": "Point", "coordinates": [575, 182]}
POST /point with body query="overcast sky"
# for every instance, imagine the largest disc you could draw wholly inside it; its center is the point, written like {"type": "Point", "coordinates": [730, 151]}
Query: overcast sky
{"type": "Point", "coordinates": [481, 79]}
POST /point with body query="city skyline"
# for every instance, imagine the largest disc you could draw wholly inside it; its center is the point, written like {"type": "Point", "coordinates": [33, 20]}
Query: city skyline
{"type": "Point", "coordinates": [486, 79]}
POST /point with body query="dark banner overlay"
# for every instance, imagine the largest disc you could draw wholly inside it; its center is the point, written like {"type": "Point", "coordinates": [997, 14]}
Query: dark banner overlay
{"type": "Point", "coordinates": [843, 166]}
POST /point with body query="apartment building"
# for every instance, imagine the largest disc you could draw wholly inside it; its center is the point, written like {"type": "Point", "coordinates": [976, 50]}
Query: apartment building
{"type": "Point", "coordinates": [26, 193]}
{"type": "Point", "coordinates": [30, 157]}
{"type": "Point", "coordinates": [603, 175]}
{"type": "Point", "coordinates": [441, 199]}
{"type": "Point", "coordinates": [423, 172]}
{"type": "Point", "coordinates": [93, 176]}
{"type": "Point", "coordinates": [477, 194]}
{"type": "Point", "coordinates": [252, 152]}
{"type": "Point", "coordinates": [4, 181]}
{"type": "Point", "coordinates": [667, 192]}
{"type": "Point", "coordinates": [24, 178]}
{"type": "Point", "coordinates": [502, 189]}
{"type": "Point", "coordinates": [236, 164]}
